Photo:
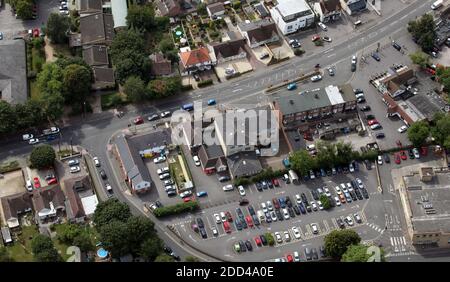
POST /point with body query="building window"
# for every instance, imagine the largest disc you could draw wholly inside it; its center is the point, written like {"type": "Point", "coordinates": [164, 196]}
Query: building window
{"type": "Point", "coordinates": [289, 27]}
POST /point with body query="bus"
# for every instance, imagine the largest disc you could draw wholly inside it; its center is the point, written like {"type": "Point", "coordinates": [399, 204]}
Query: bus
{"type": "Point", "coordinates": [188, 107]}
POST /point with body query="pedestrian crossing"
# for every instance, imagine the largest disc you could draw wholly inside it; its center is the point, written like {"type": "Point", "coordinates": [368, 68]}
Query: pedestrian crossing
{"type": "Point", "coordinates": [375, 227]}
{"type": "Point", "coordinates": [398, 244]}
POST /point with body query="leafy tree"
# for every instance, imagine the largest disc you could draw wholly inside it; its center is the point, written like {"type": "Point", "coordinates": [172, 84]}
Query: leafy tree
{"type": "Point", "coordinates": [325, 154]}
{"type": "Point", "coordinates": [443, 74]}
{"type": "Point", "coordinates": [141, 17]}
{"type": "Point", "coordinates": [164, 258]}
{"type": "Point", "coordinates": [163, 87]}
{"type": "Point", "coordinates": [139, 228]}
{"type": "Point", "coordinates": [4, 255]}
{"type": "Point", "coordinates": [52, 105]}
{"type": "Point", "coordinates": [68, 232]}
{"type": "Point", "coordinates": [191, 259]}
{"type": "Point", "coordinates": [326, 203]}
{"type": "Point", "coordinates": [441, 130]}
{"type": "Point", "coordinates": [24, 9]}
{"type": "Point", "coordinates": [269, 238]}
{"type": "Point", "coordinates": [151, 248]}
{"type": "Point", "coordinates": [344, 153]}
{"type": "Point", "coordinates": [114, 238]}
{"type": "Point", "coordinates": [83, 241]}
{"type": "Point", "coordinates": [337, 242]}
{"type": "Point", "coordinates": [201, 9]}
{"type": "Point", "coordinates": [50, 79]}
{"type": "Point", "coordinates": [76, 83]}
{"type": "Point", "coordinates": [420, 58]}
{"type": "Point", "coordinates": [57, 27]}
{"type": "Point", "coordinates": [423, 30]}
{"type": "Point", "coordinates": [29, 114]}
{"type": "Point", "coordinates": [358, 253]}
{"type": "Point", "coordinates": [42, 156]}
{"type": "Point", "coordinates": [418, 133]}
{"type": "Point", "coordinates": [302, 162]}
{"type": "Point", "coordinates": [135, 89]}
{"type": "Point", "coordinates": [44, 250]}
{"type": "Point", "coordinates": [7, 118]}
{"type": "Point", "coordinates": [109, 211]}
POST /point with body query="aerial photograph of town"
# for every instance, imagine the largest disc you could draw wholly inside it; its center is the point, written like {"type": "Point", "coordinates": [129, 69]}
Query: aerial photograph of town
{"type": "Point", "coordinates": [230, 131]}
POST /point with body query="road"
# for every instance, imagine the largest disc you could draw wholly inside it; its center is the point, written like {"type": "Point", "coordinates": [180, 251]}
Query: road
{"type": "Point", "coordinates": [95, 134]}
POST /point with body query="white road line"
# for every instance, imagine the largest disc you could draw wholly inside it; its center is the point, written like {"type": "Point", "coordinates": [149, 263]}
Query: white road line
{"type": "Point", "coordinates": [237, 90]}
{"type": "Point", "coordinates": [332, 55]}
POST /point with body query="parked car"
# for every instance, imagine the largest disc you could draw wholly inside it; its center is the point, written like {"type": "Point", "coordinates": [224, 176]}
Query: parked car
{"type": "Point", "coordinates": [33, 141]}
{"type": "Point", "coordinates": [74, 169]}
{"type": "Point", "coordinates": [196, 160]}
{"type": "Point", "coordinates": [96, 161]}
{"type": "Point", "coordinates": [228, 187]}
{"type": "Point", "coordinates": [103, 174]}
{"type": "Point", "coordinates": [159, 159]}
{"type": "Point", "coordinates": [73, 162]}
{"type": "Point", "coordinates": [153, 117]}
{"type": "Point", "coordinates": [380, 160]}
{"type": "Point", "coordinates": [138, 120]}
{"type": "Point", "coordinates": [376, 56]}
{"type": "Point", "coordinates": [315, 38]}
{"type": "Point", "coordinates": [322, 26]}
{"type": "Point", "coordinates": [403, 155]}
{"type": "Point", "coordinates": [326, 39]}
{"type": "Point", "coordinates": [365, 108]}
{"type": "Point", "coordinates": [375, 126]}
{"type": "Point", "coordinates": [380, 135]}
{"type": "Point", "coordinates": [202, 194]}
{"type": "Point", "coordinates": [316, 78]}
{"type": "Point", "coordinates": [402, 129]}
{"type": "Point", "coordinates": [416, 153]}
{"type": "Point", "coordinates": [166, 114]}
{"type": "Point", "coordinates": [27, 137]}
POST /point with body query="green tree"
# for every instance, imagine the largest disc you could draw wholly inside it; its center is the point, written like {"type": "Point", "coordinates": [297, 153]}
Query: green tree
{"type": "Point", "coordinates": [420, 58]}
{"type": "Point", "coordinates": [135, 89]}
{"type": "Point", "coordinates": [141, 17]}
{"type": "Point", "coordinates": [29, 114]}
{"type": "Point", "coordinates": [326, 203]}
{"type": "Point", "coordinates": [109, 211]}
{"type": "Point", "coordinates": [5, 256]}
{"type": "Point", "coordinates": [151, 248]}
{"type": "Point", "coordinates": [68, 232]}
{"type": "Point", "coordinates": [139, 228]}
{"type": "Point", "coordinates": [114, 238]}
{"type": "Point", "coordinates": [344, 153]}
{"type": "Point", "coordinates": [443, 74]}
{"type": "Point", "coordinates": [163, 87]}
{"type": "Point", "coordinates": [325, 155]}
{"type": "Point", "coordinates": [441, 130]}
{"type": "Point", "coordinates": [201, 9]}
{"type": "Point", "coordinates": [7, 118]}
{"type": "Point", "coordinates": [269, 238]}
{"type": "Point", "coordinates": [418, 133]}
{"type": "Point", "coordinates": [24, 9]}
{"type": "Point", "coordinates": [423, 30]}
{"type": "Point", "coordinates": [191, 259]}
{"type": "Point", "coordinates": [44, 250]}
{"type": "Point", "coordinates": [50, 79]}
{"type": "Point", "coordinates": [52, 105]}
{"type": "Point", "coordinates": [164, 258]}
{"type": "Point", "coordinates": [57, 27]}
{"type": "Point", "coordinates": [337, 242]}
{"type": "Point", "coordinates": [84, 242]}
{"type": "Point", "coordinates": [302, 162]}
{"type": "Point", "coordinates": [42, 156]}
{"type": "Point", "coordinates": [358, 253]}
{"type": "Point", "coordinates": [76, 83]}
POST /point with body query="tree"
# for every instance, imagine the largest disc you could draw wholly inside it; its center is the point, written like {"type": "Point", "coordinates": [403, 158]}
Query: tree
{"type": "Point", "coordinates": [418, 133]}
{"type": "Point", "coordinates": [359, 253]}
{"type": "Point", "coordinates": [151, 248]}
{"type": "Point", "coordinates": [83, 241]}
{"type": "Point", "coordinates": [201, 9]}
{"type": "Point", "coordinates": [4, 255]}
{"type": "Point", "coordinates": [42, 156]}
{"type": "Point", "coordinates": [44, 250]}
{"type": "Point", "coordinates": [135, 89]}
{"type": "Point", "coordinates": [164, 258]}
{"type": "Point", "coordinates": [7, 118]}
{"type": "Point", "coordinates": [420, 58]}
{"type": "Point", "coordinates": [441, 130]}
{"type": "Point", "coordinates": [76, 83]}
{"type": "Point", "coordinates": [302, 162]}
{"type": "Point", "coordinates": [111, 210]}
{"type": "Point", "coordinates": [423, 30]}
{"type": "Point", "coordinates": [68, 232]}
{"type": "Point", "coordinates": [326, 203]}
{"type": "Point", "coordinates": [344, 153]}
{"type": "Point", "coordinates": [141, 17]}
{"type": "Point", "coordinates": [337, 242]}
{"type": "Point", "coordinates": [163, 87]}
{"type": "Point", "coordinates": [191, 259]}
{"type": "Point", "coordinates": [29, 114]}
{"type": "Point", "coordinates": [114, 238]}
{"type": "Point", "coordinates": [52, 105]}
{"type": "Point", "coordinates": [24, 9]}
{"type": "Point", "coordinates": [269, 238]}
{"type": "Point", "coordinates": [325, 155]}
{"type": "Point", "coordinates": [443, 74]}
{"type": "Point", "coordinates": [50, 79]}
{"type": "Point", "coordinates": [57, 27]}
{"type": "Point", "coordinates": [139, 228]}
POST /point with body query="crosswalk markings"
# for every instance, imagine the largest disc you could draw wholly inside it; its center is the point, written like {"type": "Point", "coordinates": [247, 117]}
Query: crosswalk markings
{"type": "Point", "coordinates": [327, 228]}
{"type": "Point", "coordinates": [399, 244]}
{"type": "Point", "coordinates": [336, 226]}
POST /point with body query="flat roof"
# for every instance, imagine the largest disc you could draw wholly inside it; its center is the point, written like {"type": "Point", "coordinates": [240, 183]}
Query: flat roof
{"type": "Point", "coordinates": [89, 204]}
{"type": "Point", "coordinates": [290, 7]}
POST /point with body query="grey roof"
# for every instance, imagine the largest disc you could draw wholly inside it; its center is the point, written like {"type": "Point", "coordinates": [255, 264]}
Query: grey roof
{"type": "Point", "coordinates": [95, 55]}
{"type": "Point", "coordinates": [313, 99]}
{"type": "Point", "coordinates": [103, 74]}
{"type": "Point", "coordinates": [97, 28]}
{"type": "Point", "coordinates": [215, 7]}
{"type": "Point", "coordinates": [13, 71]}
{"type": "Point", "coordinates": [244, 164]}
{"type": "Point", "coordinates": [261, 10]}
{"type": "Point", "coordinates": [424, 105]}
{"type": "Point", "coordinates": [90, 6]}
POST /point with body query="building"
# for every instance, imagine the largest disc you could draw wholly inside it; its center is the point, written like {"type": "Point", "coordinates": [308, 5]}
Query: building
{"type": "Point", "coordinates": [96, 55]}
{"type": "Point", "coordinates": [352, 7]}
{"type": "Point", "coordinates": [292, 15]}
{"type": "Point", "coordinates": [89, 6]}
{"type": "Point", "coordinates": [212, 159]}
{"type": "Point", "coordinates": [261, 10]}
{"type": "Point", "coordinates": [13, 71]}
{"type": "Point", "coordinates": [195, 60]}
{"type": "Point", "coordinates": [119, 10]}
{"type": "Point", "coordinates": [328, 10]}
{"type": "Point", "coordinates": [160, 66]}
{"type": "Point", "coordinates": [259, 32]}
{"type": "Point", "coordinates": [215, 10]}
{"type": "Point", "coordinates": [6, 235]}
{"type": "Point", "coordinates": [97, 28]}
{"type": "Point", "coordinates": [244, 164]}
{"type": "Point", "coordinates": [77, 189]}
{"type": "Point", "coordinates": [15, 205]}
{"type": "Point", "coordinates": [103, 78]}
{"type": "Point", "coordinates": [425, 206]}
{"type": "Point", "coordinates": [227, 51]}
{"type": "Point", "coordinates": [48, 202]}
{"type": "Point", "coordinates": [168, 8]}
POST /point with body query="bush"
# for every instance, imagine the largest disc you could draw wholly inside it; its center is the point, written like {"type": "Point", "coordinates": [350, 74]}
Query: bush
{"type": "Point", "coordinates": [318, 42]}
{"type": "Point", "coordinates": [204, 83]}
{"type": "Point", "coordinates": [42, 157]}
{"type": "Point", "coordinates": [269, 238]}
{"type": "Point", "coordinates": [326, 204]}
{"type": "Point", "coordinates": [186, 87]}
{"type": "Point", "coordinates": [11, 166]}
{"type": "Point", "coordinates": [236, 5]}
{"type": "Point", "coordinates": [299, 52]}
{"type": "Point", "coordinates": [176, 209]}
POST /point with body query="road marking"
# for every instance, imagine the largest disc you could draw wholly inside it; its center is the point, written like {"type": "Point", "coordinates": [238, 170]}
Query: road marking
{"type": "Point", "coordinates": [328, 50]}
{"type": "Point", "coordinates": [332, 55]}
{"type": "Point", "coordinates": [237, 90]}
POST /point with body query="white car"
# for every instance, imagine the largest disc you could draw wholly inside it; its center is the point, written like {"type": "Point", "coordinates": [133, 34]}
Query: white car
{"type": "Point", "coordinates": [218, 218]}
{"type": "Point", "coordinates": [327, 191]}
{"type": "Point", "coordinates": [286, 214]}
{"type": "Point", "coordinates": [164, 176]}
{"type": "Point", "coordinates": [338, 202]}
{"type": "Point", "coordinates": [416, 153]}
{"type": "Point", "coordinates": [380, 160]}
{"type": "Point", "coordinates": [29, 186]}
{"type": "Point", "coordinates": [314, 206]}
{"type": "Point", "coordinates": [278, 237]}
{"type": "Point", "coordinates": [296, 257]}
{"type": "Point", "coordinates": [322, 26]}
{"type": "Point", "coordinates": [33, 141]}
{"type": "Point", "coordinates": [185, 194]}
{"type": "Point", "coordinates": [357, 218]}
{"type": "Point", "coordinates": [298, 198]}
{"type": "Point", "coordinates": [214, 232]}
{"type": "Point", "coordinates": [241, 190]}
{"type": "Point", "coordinates": [162, 170]}
{"type": "Point", "coordinates": [75, 169]}
{"type": "Point", "coordinates": [316, 78]}
{"type": "Point", "coordinates": [351, 168]}
{"type": "Point", "coordinates": [27, 137]}
{"type": "Point", "coordinates": [287, 237]}
{"type": "Point", "coordinates": [264, 207]}
{"type": "Point", "coordinates": [296, 232]}
{"type": "Point", "coordinates": [196, 160]}
{"type": "Point", "coordinates": [108, 187]}
{"type": "Point", "coordinates": [353, 59]}
{"type": "Point", "coordinates": [159, 159]}
{"type": "Point", "coordinates": [269, 206]}
{"type": "Point", "coordinates": [96, 161]}
{"type": "Point", "coordinates": [375, 126]}
{"type": "Point", "coordinates": [338, 190]}
{"type": "Point", "coordinates": [165, 114]}
{"type": "Point", "coordinates": [319, 203]}
{"type": "Point", "coordinates": [360, 183]}
{"type": "Point", "coordinates": [73, 162]}
{"type": "Point", "coordinates": [273, 215]}
{"type": "Point", "coordinates": [315, 229]}
{"type": "Point", "coordinates": [168, 182]}
{"type": "Point", "coordinates": [402, 129]}
{"type": "Point", "coordinates": [223, 217]}
{"type": "Point", "coordinates": [349, 221]}
{"type": "Point", "coordinates": [228, 187]}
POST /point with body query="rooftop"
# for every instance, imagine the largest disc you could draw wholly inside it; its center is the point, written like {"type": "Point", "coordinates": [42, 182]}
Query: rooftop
{"type": "Point", "coordinates": [95, 55]}
{"type": "Point", "coordinates": [244, 164]}
{"type": "Point", "coordinates": [13, 72]}
{"type": "Point", "coordinates": [96, 28]}
{"type": "Point", "coordinates": [290, 7]}
{"type": "Point", "coordinates": [119, 11]}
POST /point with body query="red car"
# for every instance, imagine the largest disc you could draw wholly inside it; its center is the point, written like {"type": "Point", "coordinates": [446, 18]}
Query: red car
{"type": "Point", "coordinates": [227, 227]}
{"type": "Point", "coordinates": [403, 155]}
{"type": "Point", "coordinates": [249, 221]}
{"type": "Point", "coordinates": [187, 199]}
{"type": "Point", "coordinates": [424, 151]}
{"type": "Point", "coordinates": [138, 120]}
{"type": "Point", "coordinates": [307, 137]}
{"type": "Point", "coordinates": [372, 122]}
{"type": "Point", "coordinates": [399, 143]}
{"type": "Point", "coordinates": [289, 258]}
{"type": "Point", "coordinates": [37, 183]}
{"type": "Point", "coordinates": [52, 181]}
{"type": "Point", "coordinates": [315, 38]}
{"type": "Point", "coordinates": [229, 217]}
{"type": "Point", "coordinates": [397, 158]}
{"type": "Point", "coordinates": [276, 182]}
{"type": "Point", "coordinates": [258, 241]}
{"type": "Point", "coordinates": [36, 32]}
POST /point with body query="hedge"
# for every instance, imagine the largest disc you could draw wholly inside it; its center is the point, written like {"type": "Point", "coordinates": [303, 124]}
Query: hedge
{"type": "Point", "coordinates": [176, 209]}
{"type": "Point", "coordinates": [8, 167]}
{"type": "Point", "coordinates": [204, 83]}
{"type": "Point", "coordinates": [263, 175]}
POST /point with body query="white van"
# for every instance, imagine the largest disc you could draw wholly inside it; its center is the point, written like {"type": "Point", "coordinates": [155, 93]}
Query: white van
{"type": "Point", "coordinates": [261, 215]}
{"type": "Point", "coordinates": [29, 186]}
{"type": "Point", "coordinates": [437, 4]}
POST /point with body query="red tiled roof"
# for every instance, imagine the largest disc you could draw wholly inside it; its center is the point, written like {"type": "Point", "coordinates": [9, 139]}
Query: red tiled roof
{"type": "Point", "coordinates": [195, 57]}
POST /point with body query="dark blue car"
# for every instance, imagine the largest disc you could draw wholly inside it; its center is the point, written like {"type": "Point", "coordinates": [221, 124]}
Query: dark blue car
{"type": "Point", "coordinates": [211, 102]}
{"type": "Point", "coordinates": [376, 56]}
{"type": "Point", "coordinates": [282, 203]}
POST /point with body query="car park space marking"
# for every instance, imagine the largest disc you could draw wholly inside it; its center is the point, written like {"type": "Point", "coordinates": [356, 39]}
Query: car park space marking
{"type": "Point", "coordinates": [327, 227]}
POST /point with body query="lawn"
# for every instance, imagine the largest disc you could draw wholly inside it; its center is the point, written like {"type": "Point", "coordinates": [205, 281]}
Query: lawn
{"type": "Point", "coordinates": [62, 248]}
{"type": "Point", "coordinates": [34, 90]}
{"type": "Point", "coordinates": [21, 250]}
{"type": "Point", "coordinates": [176, 170]}
{"type": "Point", "coordinates": [175, 36]}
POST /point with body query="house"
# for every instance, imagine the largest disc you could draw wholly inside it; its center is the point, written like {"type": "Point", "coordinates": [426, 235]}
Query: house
{"type": "Point", "coordinates": [227, 51]}
{"type": "Point", "coordinates": [244, 164]}
{"type": "Point", "coordinates": [195, 60]}
{"type": "Point", "coordinates": [259, 32]}
{"type": "Point", "coordinates": [168, 8]}
{"type": "Point", "coordinates": [97, 28]}
{"type": "Point", "coordinates": [261, 10]}
{"type": "Point", "coordinates": [160, 66]}
{"type": "Point", "coordinates": [13, 71]}
{"type": "Point", "coordinates": [6, 235]}
{"type": "Point", "coordinates": [48, 202]}
{"type": "Point", "coordinates": [212, 159]}
{"type": "Point", "coordinates": [74, 188]}
{"type": "Point", "coordinates": [15, 205]}
{"type": "Point", "coordinates": [215, 10]}
{"type": "Point", "coordinates": [119, 10]}
{"type": "Point", "coordinates": [352, 7]}
{"type": "Point", "coordinates": [103, 78]}
{"type": "Point", "coordinates": [96, 55]}
{"type": "Point", "coordinates": [328, 10]}
{"type": "Point", "coordinates": [89, 6]}
{"type": "Point", "coordinates": [292, 15]}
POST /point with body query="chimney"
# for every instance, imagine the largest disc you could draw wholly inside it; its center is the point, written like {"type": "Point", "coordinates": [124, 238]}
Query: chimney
{"type": "Point", "coordinates": [291, 102]}
{"type": "Point", "coordinates": [316, 96]}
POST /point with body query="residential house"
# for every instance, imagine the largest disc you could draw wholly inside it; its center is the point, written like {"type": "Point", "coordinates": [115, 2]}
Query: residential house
{"type": "Point", "coordinates": [215, 10]}
{"type": "Point", "coordinates": [261, 10]}
{"type": "Point", "coordinates": [352, 7]}
{"type": "Point", "coordinates": [168, 8]}
{"type": "Point", "coordinates": [292, 15]}
{"type": "Point", "coordinates": [89, 6]}
{"type": "Point", "coordinates": [15, 205]}
{"type": "Point", "coordinates": [48, 202]}
{"type": "Point", "coordinates": [160, 66]}
{"type": "Point", "coordinates": [259, 32]}
{"type": "Point", "coordinates": [13, 71]}
{"type": "Point", "coordinates": [227, 51]}
{"type": "Point", "coordinates": [96, 55]}
{"type": "Point", "coordinates": [97, 28]}
{"type": "Point", "coordinates": [328, 10]}
{"type": "Point", "coordinates": [195, 60]}
{"type": "Point", "coordinates": [103, 78]}
{"type": "Point", "coordinates": [119, 10]}
{"type": "Point", "coordinates": [244, 164]}
{"type": "Point", "coordinates": [74, 189]}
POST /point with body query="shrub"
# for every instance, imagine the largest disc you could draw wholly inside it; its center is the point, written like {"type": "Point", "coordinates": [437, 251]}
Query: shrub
{"type": "Point", "coordinates": [205, 83]}
{"type": "Point", "coordinates": [269, 238]}
{"type": "Point", "coordinates": [42, 157]}
{"type": "Point", "coordinates": [299, 52]}
{"type": "Point", "coordinates": [176, 209]}
{"type": "Point", "coordinates": [318, 42]}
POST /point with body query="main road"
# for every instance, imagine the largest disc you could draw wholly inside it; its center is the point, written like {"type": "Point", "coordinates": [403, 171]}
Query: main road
{"type": "Point", "coordinates": [94, 134]}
